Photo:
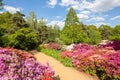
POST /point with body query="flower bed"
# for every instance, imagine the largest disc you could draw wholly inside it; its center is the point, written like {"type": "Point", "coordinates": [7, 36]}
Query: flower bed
{"type": "Point", "coordinates": [97, 61]}
{"type": "Point", "coordinates": [20, 65]}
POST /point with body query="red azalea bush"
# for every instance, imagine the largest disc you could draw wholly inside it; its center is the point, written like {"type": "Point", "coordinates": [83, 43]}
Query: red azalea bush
{"type": "Point", "coordinates": [99, 61]}
{"type": "Point", "coordinates": [52, 45]}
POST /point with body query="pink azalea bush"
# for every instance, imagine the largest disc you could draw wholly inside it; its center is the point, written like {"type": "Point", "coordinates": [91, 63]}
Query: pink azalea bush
{"type": "Point", "coordinates": [113, 45]}
{"type": "Point", "coordinates": [52, 45]}
{"type": "Point", "coordinates": [113, 65]}
{"type": "Point", "coordinates": [20, 65]}
{"type": "Point", "coordinates": [98, 61]}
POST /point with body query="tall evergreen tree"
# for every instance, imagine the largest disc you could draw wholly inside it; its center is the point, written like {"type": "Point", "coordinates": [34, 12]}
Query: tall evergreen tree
{"type": "Point", "coordinates": [73, 31]}
{"type": "Point", "coordinates": [71, 18]}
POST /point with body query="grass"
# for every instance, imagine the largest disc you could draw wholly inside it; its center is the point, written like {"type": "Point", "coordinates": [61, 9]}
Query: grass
{"type": "Point", "coordinates": [56, 54]}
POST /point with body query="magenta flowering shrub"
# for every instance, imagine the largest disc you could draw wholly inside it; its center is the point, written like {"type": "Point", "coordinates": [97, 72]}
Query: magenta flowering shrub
{"type": "Point", "coordinates": [79, 51]}
{"type": "Point", "coordinates": [112, 45]}
{"type": "Point", "coordinates": [78, 55]}
{"type": "Point", "coordinates": [103, 62]}
{"type": "Point", "coordinates": [113, 64]}
{"type": "Point", "coordinates": [14, 67]}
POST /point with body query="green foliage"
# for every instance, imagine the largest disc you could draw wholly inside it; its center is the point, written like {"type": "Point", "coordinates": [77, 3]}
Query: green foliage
{"type": "Point", "coordinates": [2, 31]}
{"type": "Point", "coordinates": [67, 62]}
{"type": "Point", "coordinates": [71, 18]}
{"type": "Point", "coordinates": [31, 20]}
{"type": "Point", "coordinates": [18, 21]}
{"type": "Point", "coordinates": [5, 40]}
{"type": "Point", "coordinates": [106, 31]}
{"type": "Point", "coordinates": [40, 47]}
{"type": "Point", "coordinates": [74, 34]}
{"type": "Point", "coordinates": [54, 34]}
{"type": "Point", "coordinates": [115, 33]}
{"type": "Point", "coordinates": [42, 29]}
{"type": "Point", "coordinates": [5, 22]}
{"type": "Point", "coordinates": [25, 38]}
{"type": "Point", "coordinates": [94, 34]}
{"type": "Point", "coordinates": [73, 30]}
{"type": "Point", "coordinates": [56, 54]}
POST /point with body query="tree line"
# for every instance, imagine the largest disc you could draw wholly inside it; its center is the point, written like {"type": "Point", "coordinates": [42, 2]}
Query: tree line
{"type": "Point", "coordinates": [27, 33]}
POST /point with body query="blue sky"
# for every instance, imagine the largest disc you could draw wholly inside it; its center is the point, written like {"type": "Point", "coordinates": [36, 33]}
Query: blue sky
{"type": "Point", "coordinates": [95, 12]}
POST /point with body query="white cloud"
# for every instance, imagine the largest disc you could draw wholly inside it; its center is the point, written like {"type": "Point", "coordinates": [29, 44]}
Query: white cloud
{"type": "Point", "coordinates": [68, 2]}
{"type": "Point", "coordinates": [115, 18]}
{"type": "Point", "coordinates": [95, 6]}
{"type": "Point", "coordinates": [97, 19]}
{"type": "Point", "coordinates": [57, 22]}
{"type": "Point", "coordinates": [58, 17]}
{"type": "Point", "coordinates": [11, 9]}
{"type": "Point", "coordinates": [104, 5]}
{"type": "Point", "coordinates": [82, 16]}
{"type": "Point", "coordinates": [52, 3]}
{"type": "Point", "coordinates": [86, 12]}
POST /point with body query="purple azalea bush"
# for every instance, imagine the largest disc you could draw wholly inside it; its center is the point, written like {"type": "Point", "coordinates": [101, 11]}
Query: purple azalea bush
{"type": "Point", "coordinates": [14, 67]}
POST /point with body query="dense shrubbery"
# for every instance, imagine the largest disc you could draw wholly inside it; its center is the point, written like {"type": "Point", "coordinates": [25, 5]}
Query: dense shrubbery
{"type": "Point", "coordinates": [25, 39]}
{"type": "Point", "coordinates": [101, 62]}
{"type": "Point", "coordinates": [16, 64]}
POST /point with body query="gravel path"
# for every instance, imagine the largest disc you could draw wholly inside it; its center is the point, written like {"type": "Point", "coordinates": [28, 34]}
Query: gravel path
{"type": "Point", "coordinates": [65, 73]}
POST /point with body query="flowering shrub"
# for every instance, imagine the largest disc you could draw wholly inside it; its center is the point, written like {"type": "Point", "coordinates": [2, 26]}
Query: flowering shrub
{"type": "Point", "coordinates": [51, 45]}
{"type": "Point", "coordinates": [97, 61]}
{"type": "Point", "coordinates": [113, 64]}
{"type": "Point", "coordinates": [79, 51]}
{"type": "Point", "coordinates": [112, 45]}
{"type": "Point", "coordinates": [18, 65]}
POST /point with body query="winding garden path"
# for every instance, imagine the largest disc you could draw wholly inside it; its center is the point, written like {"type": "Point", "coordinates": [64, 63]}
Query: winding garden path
{"type": "Point", "coordinates": [65, 73]}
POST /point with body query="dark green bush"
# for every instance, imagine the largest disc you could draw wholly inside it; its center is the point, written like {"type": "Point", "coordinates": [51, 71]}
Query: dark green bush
{"type": "Point", "coordinates": [25, 39]}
